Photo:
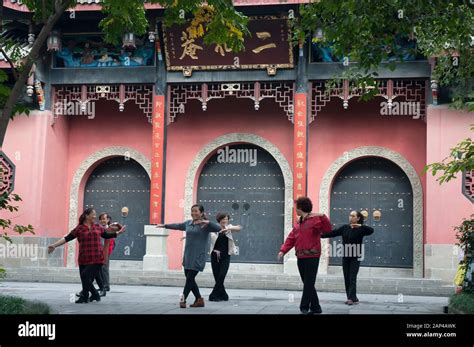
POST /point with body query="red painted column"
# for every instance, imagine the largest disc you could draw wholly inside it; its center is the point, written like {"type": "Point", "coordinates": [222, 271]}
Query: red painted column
{"type": "Point", "coordinates": [300, 146]}
{"type": "Point", "coordinates": [157, 160]}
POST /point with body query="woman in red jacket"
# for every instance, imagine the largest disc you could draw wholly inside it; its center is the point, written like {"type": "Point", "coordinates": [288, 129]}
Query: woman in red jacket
{"type": "Point", "coordinates": [306, 238]}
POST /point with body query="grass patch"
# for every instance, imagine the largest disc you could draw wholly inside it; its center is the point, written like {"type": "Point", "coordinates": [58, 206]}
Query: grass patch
{"type": "Point", "coordinates": [462, 303]}
{"type": "Point", "coordinates": [15, 305]}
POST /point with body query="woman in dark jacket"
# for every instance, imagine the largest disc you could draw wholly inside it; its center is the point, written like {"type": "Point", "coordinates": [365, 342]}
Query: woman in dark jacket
{"type": "Point", "coordinates": [352, 235]}
{"type": "Point", "coordinates": [306, 238]}
{"type": "Point", "coordinates": [91, 251]}
{"type": "Point", "coordinates": [195, 252]}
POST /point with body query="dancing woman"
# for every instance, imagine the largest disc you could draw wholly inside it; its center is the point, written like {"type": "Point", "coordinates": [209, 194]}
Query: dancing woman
{"type": "Point", "coordinates": [306, 238]}
{"type": "Point", "coordinates": [222, 247]}
{"type": "Point", "coordinates": [91, 251]}
{"type": "Point", "coordinates": [195, 252]}
{"type": "Point", "coordinates": [109, 245]}
{"type": "Point", "coordinates": [352, 235]}
{"type": "Point", "coordinates": [104, 221]}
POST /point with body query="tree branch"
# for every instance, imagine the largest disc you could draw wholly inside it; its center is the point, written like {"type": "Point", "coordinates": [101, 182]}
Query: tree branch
{"type": "Point", "coordinates": [29, 61]}
{"type": "Point", "coordinates": [12, 65]}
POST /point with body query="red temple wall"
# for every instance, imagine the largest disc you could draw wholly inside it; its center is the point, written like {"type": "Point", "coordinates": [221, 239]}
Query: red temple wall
{"type": "Point", "coordinates": [110, 127]}
{"type": "Point", "coordinates": [52, 154]}
{"type": "Point", "coordinates": [336, 131]}
{"type": "Point", "coordinates": [194, 129]}
{"type": "Point", "coordinates": [446, 206]}
{"type": "Point", "coordinates": [39, 153]}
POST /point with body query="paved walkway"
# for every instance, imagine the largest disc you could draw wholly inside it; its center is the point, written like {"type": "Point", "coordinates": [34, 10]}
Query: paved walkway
{"type": "Point", "coordinates": [164, 300]}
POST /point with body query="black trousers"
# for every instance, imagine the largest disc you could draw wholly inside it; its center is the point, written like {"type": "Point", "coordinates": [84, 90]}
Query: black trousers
{"type": "Point", "coordinates": [88, 273]}
{"type": "Point", "coordinates": [105, 275]}
{"type": "Point", "coordinates": [191, 285]}
{"type": "Point", "coordinates": [100, 279]}
{"type": "Point", "coordinates": [308, 269]}
{"type": "Point", "coordinates": [219, 270]}
{"type": "Point", "coordinates": [350, 268]}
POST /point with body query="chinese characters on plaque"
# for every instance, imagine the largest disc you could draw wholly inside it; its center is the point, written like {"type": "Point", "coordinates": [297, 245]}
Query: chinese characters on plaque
{"type": "Point", "coordinates": [267, 47]}
{"type": "Point", "coordinates": [157, 159]}
{"type": "Point", "coordinates": [299, 146]}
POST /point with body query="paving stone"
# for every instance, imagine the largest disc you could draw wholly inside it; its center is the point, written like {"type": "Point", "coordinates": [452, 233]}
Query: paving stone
{"type": "Point", "coordinates": [136, 299]}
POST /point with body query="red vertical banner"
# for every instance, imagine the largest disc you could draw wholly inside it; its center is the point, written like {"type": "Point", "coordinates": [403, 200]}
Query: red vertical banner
{"type": "Point", "coordinates": [157, 155]}
{"type": "Point", "coordinates": [300, 146]}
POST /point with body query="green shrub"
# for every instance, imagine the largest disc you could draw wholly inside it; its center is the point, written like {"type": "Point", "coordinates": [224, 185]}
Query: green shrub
{"type": "Point", "coordinates": [462, 303]}
{"type": "Point", "coordinates": [15, 305]}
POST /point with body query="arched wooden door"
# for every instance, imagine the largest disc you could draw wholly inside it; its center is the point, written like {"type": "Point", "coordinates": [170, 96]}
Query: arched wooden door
{"type": "Point", "coordinates": [377, 185]}
{"type": "Point", "coordinates": [122, 182]}
{"type": "Point", "coordinates": [252, 194]}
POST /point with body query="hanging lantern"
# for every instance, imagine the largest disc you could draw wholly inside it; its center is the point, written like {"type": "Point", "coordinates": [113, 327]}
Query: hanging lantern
{"type": "Point", "coordinates": [31, 38]}
{"type": "Point", "coordinates": [54, 41]}
{"type": "Point", "coordinates": [31, 33]}
{"type": "Point", "coordinates": [29, 90]}
{"type": "Point", "coordinates": [30, 82]}
{"type": "Point", "coordinates": [153, 33]}
{"type": "Point", "coordinates": [152, 36]}
{"type": "Point", "coordinates": [318, 34]}
{"type": "Point", "coordinates": [128, 41]}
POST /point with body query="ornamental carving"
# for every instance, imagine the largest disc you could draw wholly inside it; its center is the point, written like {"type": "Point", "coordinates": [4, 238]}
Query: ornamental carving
{"type": "Point", "coordinates": [180, 94]}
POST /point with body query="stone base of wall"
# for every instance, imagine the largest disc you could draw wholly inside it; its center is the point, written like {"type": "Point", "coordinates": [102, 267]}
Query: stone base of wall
{"type": "Point", "coordinates": [30, 251]}
{"type": "Point", "coordinates": [441, 261]}
{"type": "Point", "coordinates": [374, 272]}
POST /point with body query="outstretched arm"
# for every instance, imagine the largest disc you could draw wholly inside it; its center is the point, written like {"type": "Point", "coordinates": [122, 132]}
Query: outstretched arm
{"type": "Point", "coordinates": [71, 236]}
{"type": "Point", "coordinates": [334, 233]}
{"type": "Point", "coordinates": [109, 234]}
{"type": "Point", "coordinates": [114, 230]}
{"type": "Point", "coordinates": [213, 227]}
{"type": "Point", "coordinates": [232, 228]}
{"type": "Point", "coordinates": [58, 243]}
{"type": "Point", "coordinates": [173, 226]}
{"type": "Point", "coordinates": [366, 230]}
{"type": "Point", "coordinates": [326, 226]}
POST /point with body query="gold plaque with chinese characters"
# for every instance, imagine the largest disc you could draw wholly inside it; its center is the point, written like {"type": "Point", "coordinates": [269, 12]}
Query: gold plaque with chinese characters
{"type": "Point", "coordinates": [268, 47]}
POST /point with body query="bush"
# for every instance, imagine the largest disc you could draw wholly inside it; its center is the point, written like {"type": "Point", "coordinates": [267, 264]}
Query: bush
{"type": "Point", "coordinates": [15, 305]}
{"type": "Point", "coordinates": [462, 303]}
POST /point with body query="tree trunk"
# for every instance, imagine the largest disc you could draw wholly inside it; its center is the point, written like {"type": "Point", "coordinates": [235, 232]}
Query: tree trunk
{"type": "Point", "coordinates": [30, 60]}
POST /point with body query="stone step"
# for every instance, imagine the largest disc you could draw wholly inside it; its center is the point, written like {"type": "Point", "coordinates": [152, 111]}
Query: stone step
{"type": "Point", "coordinates": [329, 283]}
